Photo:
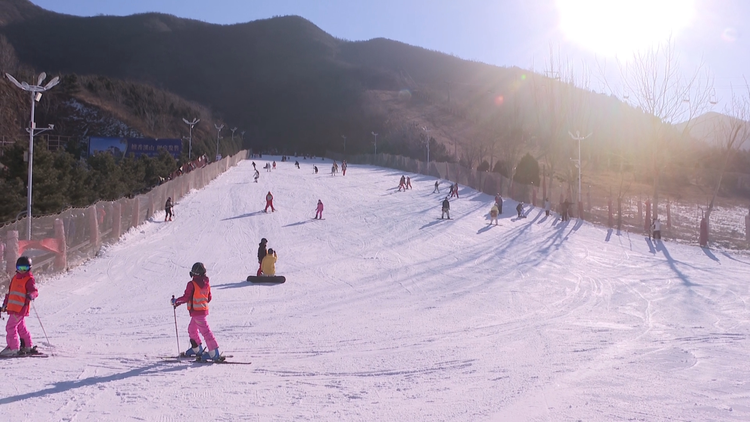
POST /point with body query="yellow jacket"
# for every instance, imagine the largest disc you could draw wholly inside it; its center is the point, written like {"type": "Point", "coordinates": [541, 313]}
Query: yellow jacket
{"type": "Point", "coordinates": [268, 265]}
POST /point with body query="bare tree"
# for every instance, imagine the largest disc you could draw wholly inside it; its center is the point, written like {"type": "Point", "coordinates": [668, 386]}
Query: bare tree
{"type": "Point", "coordinates": [561, 99]}
{"type": "Point", "coordinates": [658, 85]}
{"type": "Point", "coordinates": [733, 129]}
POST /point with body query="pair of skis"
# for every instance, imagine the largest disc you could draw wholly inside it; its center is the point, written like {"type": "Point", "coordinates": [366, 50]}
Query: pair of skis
{"type": "Point", "coordinates": [221, 360]}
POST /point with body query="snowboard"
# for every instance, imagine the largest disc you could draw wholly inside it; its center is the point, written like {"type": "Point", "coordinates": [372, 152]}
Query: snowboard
{"type": "Point", "coordinates": [276, 279]}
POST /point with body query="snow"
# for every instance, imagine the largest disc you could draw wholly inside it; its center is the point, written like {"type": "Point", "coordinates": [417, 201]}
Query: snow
{"type": "Point", "coordinates": [389, 313]}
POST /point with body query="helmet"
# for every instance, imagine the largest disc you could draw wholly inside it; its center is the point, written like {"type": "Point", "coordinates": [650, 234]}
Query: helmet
{"type": "Point", "coordinates": [23, 261]}
{"type": "Point", "coordinates": [198, 269]}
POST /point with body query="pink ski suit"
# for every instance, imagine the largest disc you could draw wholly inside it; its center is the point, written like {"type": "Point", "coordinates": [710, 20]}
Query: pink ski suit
{"type": "Point", "coordinates": [21, 292]}
{"type": "Point", "coordinates": [319, 210]}
{"type": "Point", "coordinates": [197, 300]}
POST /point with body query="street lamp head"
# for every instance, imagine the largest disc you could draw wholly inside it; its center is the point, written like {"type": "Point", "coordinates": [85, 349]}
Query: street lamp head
{"type": "Point", "coordinates": [42, 77]}
{"type": "Point", "coordinates": [52, 83]}
{"type": "Point", "coordinates": [51, 126]}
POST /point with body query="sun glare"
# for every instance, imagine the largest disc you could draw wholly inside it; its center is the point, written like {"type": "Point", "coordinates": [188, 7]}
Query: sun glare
{"type": "Point", "coordinates": [621, 27]}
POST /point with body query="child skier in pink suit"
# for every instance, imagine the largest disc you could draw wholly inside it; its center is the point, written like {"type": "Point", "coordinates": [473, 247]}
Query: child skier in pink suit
{"type": "Point", "coordinates": [319, 211]}
{"type": "Point", "coordinates": [21, 292]}
{"type": "Point", "coordinates": [197, 296]}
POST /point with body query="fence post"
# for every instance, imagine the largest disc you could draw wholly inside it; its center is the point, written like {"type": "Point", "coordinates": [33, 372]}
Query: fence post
{"type": "Point", "coordinates": [669, 215]}
{"type": "Point", "coordinates": [136, 210]}
{"type": "Point", "coordinates": [11, 251]}
{"type": "Point", "coordinates": [93, 227]}
{"type": "Point", "coordinates": [703, 239]}
{"type": "Point", "coordinates": [640, 212]}
{"type": "Point", "coordinates": [61, 259]}
{"type": "Point", "coordinates": [116, 220]}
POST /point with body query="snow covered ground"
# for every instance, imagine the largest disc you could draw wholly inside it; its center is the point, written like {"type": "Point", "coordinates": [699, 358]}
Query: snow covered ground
{"type": "Point", "coordinates": [389, 313]}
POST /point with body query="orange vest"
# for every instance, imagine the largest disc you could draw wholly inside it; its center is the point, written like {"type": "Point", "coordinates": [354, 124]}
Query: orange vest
{"type": "Point", "coordinates": [200, 298]}
{"type": "Point", "coordinates": [17, 293]}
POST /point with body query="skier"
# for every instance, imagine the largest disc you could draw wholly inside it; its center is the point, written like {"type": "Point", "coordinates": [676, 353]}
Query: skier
{"type": "Point", "coordinates": [546, 207]}
{"type": "Point", "coordinates": [402, 183]}
{"type": "Point", "coordinates": [437, 188]}
{"type": "Point", "coordinates": [319, 210]}
{"type": "Point", "coordinates": [256, 176]}
{"type": "Point", "coordinates": [499, 203]}
{"type": "Point", "coordinates": [296, 163]}
{"type": "Point", "coordinates": [315, 169]}
{"type": "Point", "coordinates": [493, 214]}
{"type": "Point", "coordinates": [268, 167]}
{"type": "Point", "coordinates": [254, 166]}
{"type": "Point", "coordinates": [197, 296]}
{"type": "Point", "coordinates": [262, 252]}
{"type": "Point", "coordinates": [343, 168]}
{"type": "Point", "coordinates": [274, 164]}
{"type": "Point", "coordinates": [269, 263]}
{"type": "Point", "coordinates": [168, 209]}
{"type": "Point", "coordinates": [519, 208]}
{"type": "Point", "coordinates": [408, 184]}
{"type": "Point", "coordinates": [333, 169]}
{"type": "Point", "coordinates": [455, 190]}
{"type": "Point", "coordinates": [269, 202]}
{"type": "Point", "coordinates": [446, 209]}
{"type": "Point", "coordinates": [656, 228]}
{"type": "Point", "coordinates": [21, 292]}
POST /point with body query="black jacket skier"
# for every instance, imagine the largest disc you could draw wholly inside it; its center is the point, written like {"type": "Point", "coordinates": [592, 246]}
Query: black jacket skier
{"type": "Point", "coordinates": [262, 252]}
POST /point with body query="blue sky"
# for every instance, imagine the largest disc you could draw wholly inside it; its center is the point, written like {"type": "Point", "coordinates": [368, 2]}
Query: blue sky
{"type": "Point", "coordinates": [504, 33]}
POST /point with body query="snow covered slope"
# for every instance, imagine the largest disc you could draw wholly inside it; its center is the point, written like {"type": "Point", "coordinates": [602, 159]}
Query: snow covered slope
{"type": "Point", "coordinates": [389, 313]}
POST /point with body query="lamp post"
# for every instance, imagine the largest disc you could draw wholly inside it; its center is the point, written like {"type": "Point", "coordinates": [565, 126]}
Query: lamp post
{"type": "Point", "coordinates": [36, 95]}
{"type": "Point", "coordinates": [218, 136]}
{"type": "Point", "coordinates": [376, 142]}
{"type": "Point", "coordinates": [424, 128]}
{"type": "Point", "coordinates": [579, 138]}
{"type": "Point", "coordinates": [233, 129]}
{"type": "Point", "coordinates": [191, 124]}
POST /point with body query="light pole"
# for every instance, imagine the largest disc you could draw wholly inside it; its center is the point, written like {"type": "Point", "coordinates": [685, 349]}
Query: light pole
{"type": "Point", "coordinates": [376, 142]}
{"type": "Point", "coordinates": [242, 136]}
{"type": "Point", "coordinates": [36, 95]}
{"type": "Point", "coordinates": [218, 136]}
{"type": "Point", "coordinates": [579, 138]}
{"type": "Point", "coordinates": [424, 128]}
{"type": "Point", "coordinates": [191, 124]}
{"type": "Point", "coordinates": [233, 129]}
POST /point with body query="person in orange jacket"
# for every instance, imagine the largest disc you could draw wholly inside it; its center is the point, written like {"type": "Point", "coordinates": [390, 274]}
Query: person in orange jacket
{"type": "Point", "coordinates": [21, 292]}
{"type": "Point", "coordinates": [197, 296]}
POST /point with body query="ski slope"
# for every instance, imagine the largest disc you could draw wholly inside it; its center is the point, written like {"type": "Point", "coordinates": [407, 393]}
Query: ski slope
{"type": "Point", "coordinates": [389, 314]}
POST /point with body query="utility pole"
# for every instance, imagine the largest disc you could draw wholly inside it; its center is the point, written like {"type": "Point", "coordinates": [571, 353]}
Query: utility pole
{"type": "Point", "coordinates": [190, 145]}
{"type": "Point", "coordinates": [218, 136]}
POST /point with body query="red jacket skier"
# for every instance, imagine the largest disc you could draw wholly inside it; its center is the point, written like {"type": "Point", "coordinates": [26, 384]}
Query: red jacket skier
{"type": "Point", "coordinates": [269, 202]}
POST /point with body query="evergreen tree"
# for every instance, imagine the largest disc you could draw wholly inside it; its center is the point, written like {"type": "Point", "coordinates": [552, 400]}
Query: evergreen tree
{"type": "Point", "coordinates": [527, 171]}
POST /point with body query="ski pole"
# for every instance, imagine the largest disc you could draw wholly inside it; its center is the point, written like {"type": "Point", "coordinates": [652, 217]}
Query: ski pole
{"type": "Point", "coordinates": [40, 323]}
{"type": "Point", "coordinates": [175, 327]}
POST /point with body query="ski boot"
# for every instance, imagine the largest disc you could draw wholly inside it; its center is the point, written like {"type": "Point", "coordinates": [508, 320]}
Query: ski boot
{"type": "Point", "coordinates": [212, 356]}
{"type": "Point", "coordinates": [195, 351]}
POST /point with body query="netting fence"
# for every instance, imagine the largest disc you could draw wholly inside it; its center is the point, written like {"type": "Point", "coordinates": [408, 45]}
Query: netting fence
{"type": "Point", "coordinates": [65, 240]}
{"type": "Point", "coordinates": [681, 220]}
